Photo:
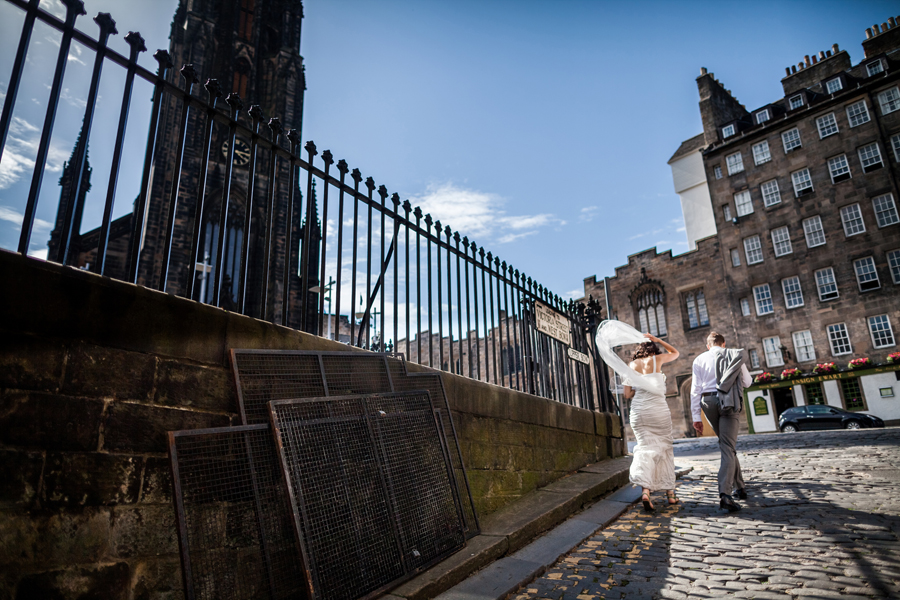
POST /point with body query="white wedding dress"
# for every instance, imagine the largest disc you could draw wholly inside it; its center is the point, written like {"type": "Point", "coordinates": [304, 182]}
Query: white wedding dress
{"type": "Point", "coordinates": [653, 466]}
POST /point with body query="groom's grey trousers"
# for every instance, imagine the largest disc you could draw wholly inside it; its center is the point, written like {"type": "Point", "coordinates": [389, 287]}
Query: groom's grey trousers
{"type": "Point", "coordinates": [726, 424]}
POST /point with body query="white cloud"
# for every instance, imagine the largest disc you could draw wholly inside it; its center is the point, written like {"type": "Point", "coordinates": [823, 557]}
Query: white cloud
{"type": "Point", "coordinates": [8, 213]}
{"type": "Point", "coordinates": [681, 229]}
{"type": "Point", "coordinates": [479, 215]}
{"type": "Point", "coordinates": [21, 148]}
{"type": "Point", "coordinates": [572, 294]}
{"type": "Point", "coordinates": [588, 213]}
{"type": "Point", "coordinates": [41, 254]}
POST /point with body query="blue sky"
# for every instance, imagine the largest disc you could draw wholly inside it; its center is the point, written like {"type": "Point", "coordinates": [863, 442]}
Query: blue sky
{"type": "Point", "coordinates": [539, 129]}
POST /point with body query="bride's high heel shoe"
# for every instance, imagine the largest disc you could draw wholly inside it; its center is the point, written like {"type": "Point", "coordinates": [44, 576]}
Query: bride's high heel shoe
{"type": "Point", "coordinates": [645, 500]}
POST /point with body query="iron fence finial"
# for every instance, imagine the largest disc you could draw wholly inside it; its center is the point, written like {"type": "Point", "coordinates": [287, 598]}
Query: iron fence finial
{"type": "Point", "coordinates": [310, 146]}
{"type": "Point", "coordinates": [356, 175]}
{"type": "Point", "coordinates": [165, 61]}
{"type": "Point", "coordinates": [343, 167]}
{"type": "Point", "coordinates": [328, 157]}
{"type": "Point", "coordinates": [189, 74]}
{"type": "Point", "coordinates": [134, 39]}
{"type": "Point", "coordinates": [370, 183]}
{"type": "Point", "coordinates": [235, 102]}
{"type": "Point", "coordinates": [107, 26]}
{"type": "Point", "coordinates": [214, 90]}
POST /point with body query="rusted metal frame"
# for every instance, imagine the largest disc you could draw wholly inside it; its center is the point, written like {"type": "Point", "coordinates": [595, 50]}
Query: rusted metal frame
{"type": "Point", "coordinates": [177, 495]}
{"type": "Point", "coordinates": [136, 42]}
{"type": "Point", "coordinates": [15, 77]}
{"type": "Point", "coordinates": [328, 159]}
{"type": "Point", "coordinates": [107, 27]}
{"type": "Point", "coordinates": [263, 538]}
{"type": "Point", "coordinates": [357, 177]}
{"type": "Point", "coordinates": [276, 128]}
{"type": "Point", "coordinates": [255, 113]}
{"type": "Point", "coordinates": [234, 102]}
{"type": "Point", "coordinates": [451, 365]}
{"type": "Point", "coordinates": [298, 505]}
{"type": "Point", "coordinates": [139, 215]}
{"type": "Point", "coordinates": [190, 78]}
{"type": "Point", "coordinates": [215, 92]}
{"type": "Point", "coordinates": [342, 169]}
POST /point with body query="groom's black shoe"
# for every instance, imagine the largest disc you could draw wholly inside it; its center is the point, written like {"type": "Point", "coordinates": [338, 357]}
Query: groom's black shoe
{"type": "Point", "coordinates": [741, 493]}
{"type": "Point", "coordinates": [728, 503]}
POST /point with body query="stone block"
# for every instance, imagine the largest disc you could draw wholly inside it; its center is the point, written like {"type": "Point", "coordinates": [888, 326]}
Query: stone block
{"type": "Point", "coordinates": [181, 384]}
{"type": "Point", "coordinates": [156, 486]}
{"type": "Point", "coordinates": [525, 408]}
{"type": "Point", "coordinates": [572, 418]}
{"type": "Point", "coordinates": [49, 421]}
{"type": "Point", "coordinates": [53, 539]}
{"type": "Point", "coordinates": [157, 579]}
{"type": "Point", "coordinates": [97, 371]}
{"type": "Point", "coordinates": [601, 424]}
{"type": "Point", "coordinates": [92, 479]}
{"type": "Point", "coordinates": [20, 474]}
{"type": "Point", "coordinates": [132, 427]}
{"type": "Point", "coordinates": [29, 363]}
{"type": "Point", "coordinates": [108, 581]}
{"type": "Point", "coordinates": [143, 531]}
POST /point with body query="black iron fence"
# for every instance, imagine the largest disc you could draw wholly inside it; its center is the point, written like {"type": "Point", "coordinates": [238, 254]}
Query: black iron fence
{"type": "Point", "coordinates": [397, 279]}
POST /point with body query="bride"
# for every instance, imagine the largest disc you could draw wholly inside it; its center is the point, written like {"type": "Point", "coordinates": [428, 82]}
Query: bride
{"type": "Point", "coordinates": [653, 466]}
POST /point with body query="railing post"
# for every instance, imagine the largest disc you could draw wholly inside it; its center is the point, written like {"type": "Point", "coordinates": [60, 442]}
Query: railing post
{"type": "Point", "coordinates": [357, 178]}
{"type": "Point", "coordinates": [276, 128]}
{"type": "Point", "coordinates": [136, 44]}
{"type": "Point", "coordinates": [234, 102]}
{"type": "Point", "coordinates": [72, 222]}
{"type": "Point", "coordinates": [342, 169]}
{"type": "Point", "coordinates": [255, 113]}
{"type": "Point", "coordinates": [12, 89]}
{"type": "Point", "coordinates": [328, 159]}
{"type": "Point", "coordinates": [215, 92]}
{"type": "Point", "coordinates": [74, 9]}
{"type": "Point", "coordinates": [190, 78]}
{"type": "Point", "coordinates": [293, 137]}
{"type": "Point", "coordinates": [140, 208]}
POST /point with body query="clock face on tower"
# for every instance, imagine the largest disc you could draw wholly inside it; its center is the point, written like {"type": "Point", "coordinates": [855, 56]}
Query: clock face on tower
{"type": "Point", "coordinates": [241, 152]}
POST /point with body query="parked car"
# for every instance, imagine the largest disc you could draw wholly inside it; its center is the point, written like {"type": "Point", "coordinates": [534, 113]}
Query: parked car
{"type": "Point", "coordinates": [819, 416]}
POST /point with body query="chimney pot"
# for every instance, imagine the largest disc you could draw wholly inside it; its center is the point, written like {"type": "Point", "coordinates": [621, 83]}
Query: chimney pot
{"type": "Point", "coordinates": [793, 69]}
{"type": "Point", "coordinates": [828, 53]}
{"type": "Point", "coordinates": [834, 48]}
{"type": "Point", "coordinates": [821, 55]}
{"type": "Point", "coordinates": [814, 59]}
{"type": "Point", "coordinates": [875, 29]}
{"type": "Point", "coordinates": [869, 33]}
{"type": "Point", "coordinates": [892, 22]}
{"type": "Point", "coordinates": [806, 60]}
{"type": "Point", "coordinates": [703, 71]}
{"type": "Point", "coordinates": [884, 27]}
{"type": "Point", "coordinates": [787, 71]}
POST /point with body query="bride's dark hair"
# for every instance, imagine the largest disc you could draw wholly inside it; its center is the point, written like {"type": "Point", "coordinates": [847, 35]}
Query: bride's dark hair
{"type": "Point", "coordinates": [646, 349]}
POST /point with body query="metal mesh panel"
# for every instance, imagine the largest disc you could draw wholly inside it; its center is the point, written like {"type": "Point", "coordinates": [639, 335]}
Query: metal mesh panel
{"type": "Point", "coordinates": [263, 375]}
{"type": "Point", "coordinates": [351, 373]}
{"type": "Point", "coordinates": [234, 519]}
{"type": "Point", "coordinates": [369, 481]}
{"type": "Point", "coordinates": [431, 382]}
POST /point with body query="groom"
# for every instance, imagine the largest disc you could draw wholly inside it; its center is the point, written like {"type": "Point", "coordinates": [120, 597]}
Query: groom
{"type": "Point", "coordinates": [719, 376]}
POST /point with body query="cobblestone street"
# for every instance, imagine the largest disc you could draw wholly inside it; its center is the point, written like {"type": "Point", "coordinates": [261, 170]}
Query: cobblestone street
{"type": "Point", "coordinates": [822, 521]}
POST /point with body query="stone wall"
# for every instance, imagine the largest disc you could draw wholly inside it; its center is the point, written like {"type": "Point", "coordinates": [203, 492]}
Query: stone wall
{"type": "Point", "coordinates": [94, 372]}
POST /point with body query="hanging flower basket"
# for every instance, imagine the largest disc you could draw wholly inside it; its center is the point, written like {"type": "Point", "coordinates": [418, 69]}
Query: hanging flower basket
{"type": "Point", "coordinates": [790, 373]}
{"type": "Point", "coordinates": [825, 368]}
{"type": "Point", "coordinates": [764, 378]}
{"type": "Point", "coordinates": [860, 363]}
{"type": "Point", "coordinates": [893, 358]}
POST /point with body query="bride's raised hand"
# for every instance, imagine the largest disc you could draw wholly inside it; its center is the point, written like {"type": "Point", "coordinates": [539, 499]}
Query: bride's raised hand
{"type": "Point", "coordinates": [651, 337]}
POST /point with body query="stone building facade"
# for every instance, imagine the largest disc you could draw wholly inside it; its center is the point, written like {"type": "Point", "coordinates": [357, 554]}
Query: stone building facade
{"type": "Point", "coordinates": [804, 267]}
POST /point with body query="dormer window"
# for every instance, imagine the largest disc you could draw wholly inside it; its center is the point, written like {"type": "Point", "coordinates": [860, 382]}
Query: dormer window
{"type": "Point", "coordinates": [834, 85]}
{"type": "Point", "coordinates": [727, 131]}
{"type": "Point", "coordinates": [763, 116]}
{"type": "Point", "coordinates": [796, 101]}
{"type": "Point", "coordinates": [874, 68]}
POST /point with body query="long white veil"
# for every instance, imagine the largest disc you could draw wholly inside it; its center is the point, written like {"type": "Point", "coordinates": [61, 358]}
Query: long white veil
{"type": "Point", "coordinates": [611, 334]}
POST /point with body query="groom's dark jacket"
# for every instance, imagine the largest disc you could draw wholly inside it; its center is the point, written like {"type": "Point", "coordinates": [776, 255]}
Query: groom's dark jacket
{"type": "Point", "coordinates": [728, 379]}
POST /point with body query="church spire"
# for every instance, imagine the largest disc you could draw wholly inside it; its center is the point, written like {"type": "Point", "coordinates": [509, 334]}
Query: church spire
{"type": "Point", "coordinates": [68, 186]}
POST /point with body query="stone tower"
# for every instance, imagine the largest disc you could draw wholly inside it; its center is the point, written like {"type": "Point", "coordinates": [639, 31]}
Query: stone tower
{"type": "Point", "coordinates": [251, 47]}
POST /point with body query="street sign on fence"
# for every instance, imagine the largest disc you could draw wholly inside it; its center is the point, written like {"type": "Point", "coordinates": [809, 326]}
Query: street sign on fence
{"type": "Point", "coordinates": [552, 323]}
{"type": "Point", "coordinates": [579, 356]}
